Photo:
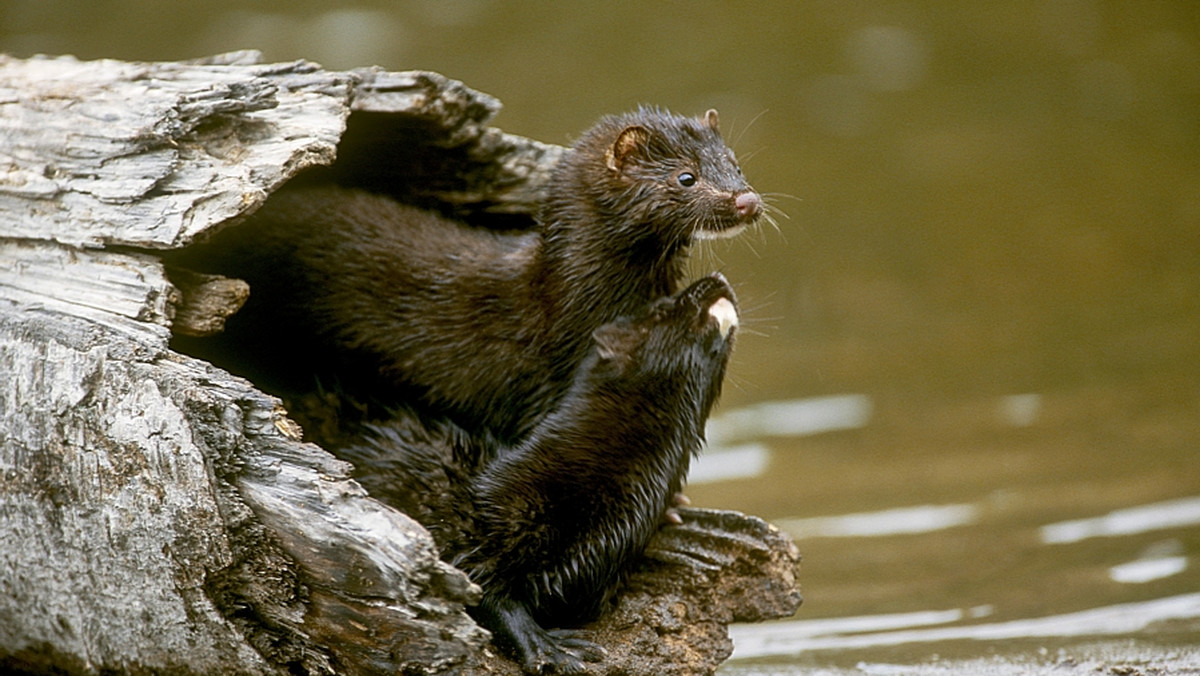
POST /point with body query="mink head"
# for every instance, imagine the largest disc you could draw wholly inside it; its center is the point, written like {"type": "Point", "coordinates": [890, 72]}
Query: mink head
{"type": "Point", "coordinates": [659, 176]}
{"type": "Point", "coordinates": [672, 355]}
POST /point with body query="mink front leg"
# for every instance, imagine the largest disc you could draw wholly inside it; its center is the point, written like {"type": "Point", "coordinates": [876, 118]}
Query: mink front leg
{"type": "Point", "coordinates": [539, 651]}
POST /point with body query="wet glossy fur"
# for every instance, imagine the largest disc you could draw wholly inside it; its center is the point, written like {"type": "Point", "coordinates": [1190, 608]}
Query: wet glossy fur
{"type": "Point", "coordinates": [484, 327]}
{"type": "Point", "coordinates": [548, 526]}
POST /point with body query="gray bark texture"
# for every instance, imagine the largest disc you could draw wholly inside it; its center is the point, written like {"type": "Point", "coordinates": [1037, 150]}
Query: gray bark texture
{"type": "Point", "coordinates": [158, 514]}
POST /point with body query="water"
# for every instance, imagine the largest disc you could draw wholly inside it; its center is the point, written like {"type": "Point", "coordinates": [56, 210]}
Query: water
{"type": "Point", "coordinates": [1008, 552]}
{"type": "Point", "coordinates": [968, 374]}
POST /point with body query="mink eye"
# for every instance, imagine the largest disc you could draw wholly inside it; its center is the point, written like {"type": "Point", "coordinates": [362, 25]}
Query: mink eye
{"type": "Point", "coordinates": [686, 179]}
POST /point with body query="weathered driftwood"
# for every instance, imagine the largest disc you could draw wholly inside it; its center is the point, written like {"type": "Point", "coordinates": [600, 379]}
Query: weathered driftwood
{"type": "Point", "coordinates": [158, 513]}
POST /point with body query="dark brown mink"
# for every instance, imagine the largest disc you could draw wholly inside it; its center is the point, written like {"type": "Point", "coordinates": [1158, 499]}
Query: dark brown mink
{"type": "Point", "coordinates": [485, 327]}
{"type": "Point", "coordinates": [549, 526]}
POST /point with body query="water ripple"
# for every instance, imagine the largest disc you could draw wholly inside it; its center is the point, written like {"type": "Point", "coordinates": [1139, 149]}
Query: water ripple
{"type": "Point", "coordinates": [1142, 519]}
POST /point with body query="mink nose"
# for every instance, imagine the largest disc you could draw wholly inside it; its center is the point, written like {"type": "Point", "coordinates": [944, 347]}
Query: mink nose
{"type": "Point", "coordinates": [748, 205]}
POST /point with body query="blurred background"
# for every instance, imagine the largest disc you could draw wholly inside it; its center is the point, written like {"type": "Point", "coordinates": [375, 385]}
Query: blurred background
{"type": "Point", "coordinates": [968, 380]}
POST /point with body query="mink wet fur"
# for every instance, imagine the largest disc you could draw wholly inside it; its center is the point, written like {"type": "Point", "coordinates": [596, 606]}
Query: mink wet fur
{"type": "Point", "coordinates": [549, 526]}
{"type": "Point", "coordinates": [391, 303]}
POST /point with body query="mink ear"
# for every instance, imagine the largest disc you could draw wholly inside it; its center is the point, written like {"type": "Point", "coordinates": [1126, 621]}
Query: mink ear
{"type": "Point", "coordinates": [628, 142]}
{"type": "Point", "coordinates": [710, 119]}
{"type": "Point", "coordinates": [608, 341]}
{"type": "Point", "coordinates": [612, 342]}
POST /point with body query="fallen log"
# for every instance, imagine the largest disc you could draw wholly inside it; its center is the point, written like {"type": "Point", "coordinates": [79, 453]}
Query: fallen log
{"type": "Point", "coordinates": [158, 513]}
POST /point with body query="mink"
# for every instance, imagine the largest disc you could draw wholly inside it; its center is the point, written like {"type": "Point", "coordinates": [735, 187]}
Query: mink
{"type": "Point", "coordinates": [404, 305]}
{"type": "Point", "coordinates": [548, 526]}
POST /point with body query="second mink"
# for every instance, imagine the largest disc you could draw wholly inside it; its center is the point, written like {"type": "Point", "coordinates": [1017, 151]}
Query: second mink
{"type": "Point", "coordinates": [482, 326]}
{"type": "Point", "coordinates": [550, 526]}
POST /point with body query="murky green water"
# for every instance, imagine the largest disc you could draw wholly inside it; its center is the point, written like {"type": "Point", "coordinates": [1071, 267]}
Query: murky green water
{"type": "Point", "coordinates": [993, 242]}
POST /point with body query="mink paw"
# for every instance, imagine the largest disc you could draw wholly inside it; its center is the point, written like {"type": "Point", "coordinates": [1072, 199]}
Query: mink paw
{"type": "Point", "coordinates": [539, 651]}
{"type": "Point", "coordinates": [560, 651]}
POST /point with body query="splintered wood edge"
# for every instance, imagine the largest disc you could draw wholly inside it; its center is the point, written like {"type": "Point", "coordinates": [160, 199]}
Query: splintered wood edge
{"type": "Point", "coordinates": [206, 302]}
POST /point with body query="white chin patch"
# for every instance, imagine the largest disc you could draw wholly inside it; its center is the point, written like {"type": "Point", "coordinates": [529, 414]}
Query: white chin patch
{"type": "Point", "coordinates": [725, 314]}
{"type": "Point", "coordinates": [720, 234]}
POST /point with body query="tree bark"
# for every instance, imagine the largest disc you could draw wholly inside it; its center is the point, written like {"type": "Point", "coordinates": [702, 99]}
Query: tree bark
{"type": "Point", "coordinates": [158, 513]}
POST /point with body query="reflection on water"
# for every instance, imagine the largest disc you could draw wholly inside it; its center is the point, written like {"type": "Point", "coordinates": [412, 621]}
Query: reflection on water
{"type": "Point", "coordinates": [1159, 516]}
{"type": "Point", "coordinates": [725, 459]}
{"type": "Point", "coordinates": [897, 521]}
{"type": "Point", "coordinates": [1021, 410]}
{"type": "Point", "coordinates": [791, 638]}
{"type": "Point", "coordinates": [994, 243]}
{"type": "Point", "coordinates": [1146, 570]}
{"type": "Point", "coordinates": [794, 418]}
{"type": "Point", "coordinates": [743, 461]}
{"type": "Point", "coordinates": [1162, 560]}
{"type": "Point", "coordinates": [941, 536]}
